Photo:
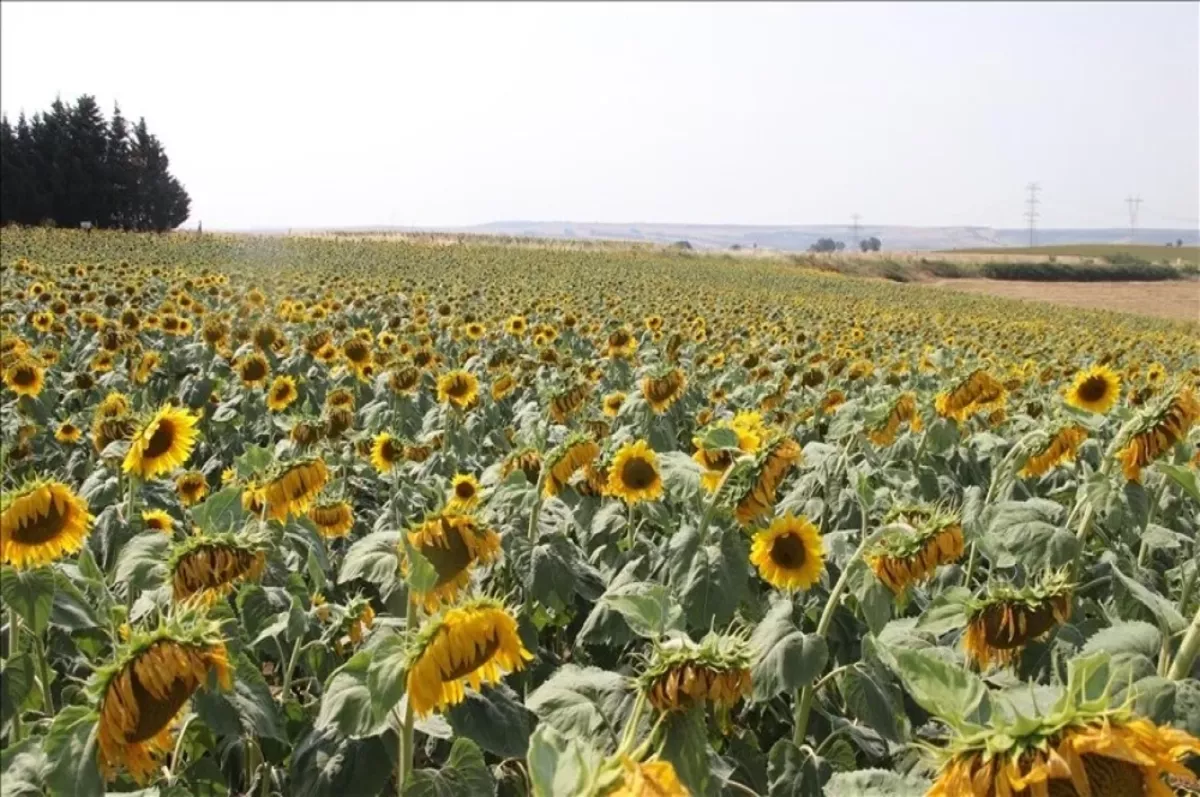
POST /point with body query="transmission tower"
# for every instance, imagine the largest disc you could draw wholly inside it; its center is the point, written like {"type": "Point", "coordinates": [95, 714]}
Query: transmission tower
{"type": "Point", "coordinates": [855, 217]}
{"type": "Point", "coordinates": [1133, 202]}
{"type": "Point", "coordinates": [1032, 203]}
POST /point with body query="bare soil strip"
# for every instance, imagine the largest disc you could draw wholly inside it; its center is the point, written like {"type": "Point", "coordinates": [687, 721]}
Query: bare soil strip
{"type": "Point", "coordinates": [1178, 300]}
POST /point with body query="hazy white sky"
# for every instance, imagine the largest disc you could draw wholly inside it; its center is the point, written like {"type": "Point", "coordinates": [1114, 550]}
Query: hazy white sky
{"type": "Point", "coordinates": [314, 114]}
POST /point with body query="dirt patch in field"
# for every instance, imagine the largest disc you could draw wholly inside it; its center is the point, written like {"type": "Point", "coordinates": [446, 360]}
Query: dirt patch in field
{"type": "Point", "coordinates": [1177, 299]}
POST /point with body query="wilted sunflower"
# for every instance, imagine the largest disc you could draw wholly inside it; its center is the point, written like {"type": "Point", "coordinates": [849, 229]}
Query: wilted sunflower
{"type": "Point", "coordinates": [25, 377]}
{"type": "Point", "coordinates": [503, 386]}
{"type": "Point", "coordinates": [386, 452]}
{"type": "Point", "coordinates": [476, 644]}
{"type": "Point", "coordinates": [158, 520]}
{"type": "Point", "coordinates": [68, 432]}
{"type": "Point", "coordinates": [663, 390]}
{"type": "Point", "coordinates": [191, 486]}
{"type": "Point", "coordinates": [1060, 448]}
{"type": "Point", "coordinates": [566, 458]}
{"type": "Point", "coordinates": [294, 487]}
{"type": "Point", "coordinates": [453, 543]}
{"type": "Point", "coordinates": [163, 444]}
{"type": "Point", "coordinates": [1078, 747]}
{"type": "Point", "coordinates": [333, 519]}
{"type": "Point", "coordinates": [253, 370]}
{"type": "Point", "coordinates": [902, 410]}
{"type": "Point", "coordinates": [978, 392]}
{"type": "Point", "coordinates": [634, 475]}
{"type": "Point", "coordinates": [459, 388]}
{"type": "Point", "coordinates": [114, 405]}
{"type": "Point", "coordinates": [282, 393]}
{"type": "Point", "coordinates": [1095, 389]}
{"type": "Point", "coordinates": [755, 487]}
{"type": "Point", "coordinates": [682, 673]}
{"type": "Point", "coordinates": [621, 344]}
{"type": "Point", "coordinates": [789, 554]}
{"type": "Point", "coordinates": [143, 691]}
{"type": "Point", "coordinates": [145, 367]}
{"type": "Point", "coordinates": [909, 554]}
{"type": "Point", "coordinates": [40, 523]}
{"type": "Point", "coordinates": [403, 380]}
{"type": "Point", "coordinates": [612, 403]}
{"type": "Point", "coordinates": [528, 461]}
{"type": "Point", "coordinates": [207, 567]}
{"type": "Point", "coordinates": [1000, 625]}
{"type": "Point", "coordinates": [1159, 429]}
{"type": "Point", "coordinates": [649, 779]}
{"type": "Point", "coordinates": [566, 402]}
{"type": "Point", "coordinates": [464, 492]}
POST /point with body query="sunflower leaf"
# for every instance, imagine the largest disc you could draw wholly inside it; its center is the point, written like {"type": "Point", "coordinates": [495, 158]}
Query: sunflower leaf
{"type": "Point", "coordinates": [649, 609]}
{"type": "Point", "coordinates": [375, 558]}
{"type": "Point", "coordinates": [559, 764]}
{"type": "Point", "coordinates": [494, 719]}
{"type": "Point", "coordinates": [685, 745]}
{"type": "Point", "coordinates": [945, 690]}
{"type": "Point", "coordinates": [465, 774]}
{"type": "Point", "coordinates": [1164, 611]}
{"type": "Point", "coordinates": [1185, 477]}
{"type": "Point", "coordinates": [325, 764]}
{"type": "Point", "coordinates": [585, 702]}
{"type": "Point", "coordinates": [785, 659]}
{"type": "Point", "coordinates": [795, 772]}
{"type": "Point", "coordinates": [221, 511]}
{"type": "Point", "coordinates": [385, 675]}
{"type": "Point", "coordinates": [29, 593]}
{"type": "Point", "coordinates": [71, 750]}
{"type": "Point", "coordinates": [347, 704]}
{"type": "Point", "coordinates": [875, 783]}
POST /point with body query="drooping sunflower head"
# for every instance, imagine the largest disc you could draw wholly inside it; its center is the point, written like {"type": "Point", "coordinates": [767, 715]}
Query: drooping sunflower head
{"type": "Point", "coordinates": [332, 518]}
{"type": "Point", "coordinates": [339, 397]}
{"type": "Point", "coordinates": [464, 492]}
{"type": "Point", "coordinates": [68, 432]}
{"type": "Point", "coordinates": [663, 388]}
{"type": "Point", "coordinates": [158, 520]}
{"type": "Point", "coordinates": [978, 392]}
{"type": "Point", "coordinates": [40, 523]}
{"type": "Point", "coordinates": [453, 543]}
{"type": "Point", "coordinates": [386, 452]}
{"type": "Point", "coordinates": [1001, 624]}
{"type": "Point", "coordinates": [1061, 446]}
{"type": "Point", "coordinates": [142, 692]}
{"type": "Point", "coordinates": [789, 554]}
{"type": "Point", "coordinates": [753, 488]}
{"type": "Point", "coordinates": [282, 393]}
{"type": "Point", "coordinates": [292, 487]}
{"type": "Point", "coordinates": [1095, 389]}
{"type": "Point", "coordinates": [1158, 429]}
{"type": "Point", "coordinates": [458, 387]}
{"type": "Point", "coordinates": [902, 409]}
{"type": "Point", "coordinates": [567, 401]}
{"type": "Point", "coordinates": [206, 567]}
{"type": "Point", "coordinates": [682, 673]}
{"type": "Point", "coordinates": [576, 451]}
{"type": "Point", "coordinates": [113, 405]}
{"type": "Point", "coordinates": [527, 460]}
{"type": "Point", "coordinates": [919, 539]}
{"type": "Point", "coordinates": [634, 475]}
{"type": "Point", "coordinates": [612, 403]}
{"type": "Point", "coordinates": [472, 644]}
{"type": "Point", "coordinates": [503, 386]}
{"type": "Point", "coordinates": [1080, 746]}
{"type": "Point", "coordinates": [191, 487]}
{"type": "Point", "coordinates": [162, 444]}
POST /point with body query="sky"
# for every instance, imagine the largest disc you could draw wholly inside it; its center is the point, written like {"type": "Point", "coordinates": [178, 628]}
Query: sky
{"type": "Point", "coordinates": [937, 114]}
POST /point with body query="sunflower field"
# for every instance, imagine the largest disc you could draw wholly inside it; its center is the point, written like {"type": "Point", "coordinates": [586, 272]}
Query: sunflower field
{"type": "Point", "coordinates": [301, 516]}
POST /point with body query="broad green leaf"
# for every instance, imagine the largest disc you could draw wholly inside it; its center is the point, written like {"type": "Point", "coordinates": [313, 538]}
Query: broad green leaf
{"type": "Point", "coordinates": [1030, 534]}
{"type": "Point", "coordinates": [465, 774]}
{"type": "Point", "coordinates": [720, 437]}
{"type": "Point", "coordinates": [793, 772]}
{"type": "Point", "coordinates": [1185, 477]}
{"type": "Point", "coordinates": [943, 689]}
{"type": "Point", "coordinates": [710, 578]}
{"type": "Point", "coordinates": [16, 685]}
{"type": "Point", "coordinates": [785, 659]}
{"type": "Point", "coordinates": [254, 460]}
{"type": "Point", "coordinates": [347, 704]}
{"type": "Point", "coordinates": [605, 626]}
{"type": "Point", "coordinates": [649, 609]}
{"type": "Point", "coordinates": [559, 764]}
{"type": "Point", "coordinates": [29, 593]}
{"type": "Point", "coordinates": [72, 610]}
{"type": "Point", "coordinates": [495, 720]}
{"type": "Point", "coordinates": [385, 675]}
{"type": "Point", "coordinates": [584, 702]}
{"type": "Point", "coordinates": [947, 612]}
{"type": "Point", "coordinates": [23, 769]}
{"type": "Point", "coordinates": [870, 703]}
{"type": "Point", "coordinates": [221, 511]}
{"type": "Point", "coordinates": [327, 765]}
{"type": "Point", "coordinates": [875, 783]}
{"type": "Point", "coordinates": [685, 745]}
{"type": "Point", "coordinates": [1125, 637]}
{"type": "Point", "coordinates": [142, 563]}
{"type": "Point", "coordinates": [422, 575]}
{"type": "Point", "coordinates": [71, 751]}
{"type": "Point", "coordinates": [1164, 611]}
{"type": "Point", "coordinates": [375, 559]}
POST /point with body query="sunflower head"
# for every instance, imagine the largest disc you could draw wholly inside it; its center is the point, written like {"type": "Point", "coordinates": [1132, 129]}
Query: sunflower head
{"type": "Point", "coordinates": [144, 689]}
{"type": "Point", "coordinates": [386, 452]}
{"type": "Point", "coordinates": [162, 443]}
{"type": "Point", "coordinates": [459, 388]}
{"type": "Point", "coordinates": [291, 487]}
{"type": "Point", "coordinates": [682, 673]}
{"type": "Point", "coordinates": [753, 486]}
{"type": "Point", "coordinates": [789, 554]}
{"type": "Point", "coordinates": [1095, 389]}
{"type": "Point", "coordinates": [918, 540]}
{"type": "Point", "coordinates": [191, 486]}
{"type": "Point", "coordinates": [472, 644]}
{"type": "Point", "coordinates": [453, 543]}
{"type": "Point", "coordinates": [1003, 622]}
{"type": "Point", "coordinates": [158, 520]}
{"type": "Point", "coordinates": [68, 432]}
{"type": "Point", "coordinates": [634, 474]}
{"type": "Point", "coordinates": [663, 388]}
{"type": "Point", "coordinates": [464, 492]}
{"type": "Point", "coordinates": [1158, 428]}
{"type": "Point", "coordinates": [40, 523]}
{"type": "Point", "coordinates": [332, 518]}
{"type": "Point", "coordinates": [282, 393]}
{"type": "Point", "coordinates": [573, 453]}
{"type": "Point", "coordinates": [206, 567]}
{"type": "Point", "coordinates": [25, 377]}
{"type": "Point", "coordinates": [253, 370]}
{"type": "Point", "coordinates": [655, 778]}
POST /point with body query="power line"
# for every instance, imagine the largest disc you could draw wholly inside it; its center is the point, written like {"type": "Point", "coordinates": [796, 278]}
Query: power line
{"type": "Point", "coordinates": [856, 217]}
{"type": "Point", "coordinates": [1133, 202]}
{"type": "Point", "coordinates": [1032, 203]}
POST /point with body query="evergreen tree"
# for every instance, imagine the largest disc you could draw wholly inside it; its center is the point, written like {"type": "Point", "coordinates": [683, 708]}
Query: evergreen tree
{"type": "Point", "coordinates": [118, 164]}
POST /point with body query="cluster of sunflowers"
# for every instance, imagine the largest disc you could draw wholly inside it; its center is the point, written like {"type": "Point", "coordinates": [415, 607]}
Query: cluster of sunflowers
{"type": "Point", "coordinates": [273, 506]}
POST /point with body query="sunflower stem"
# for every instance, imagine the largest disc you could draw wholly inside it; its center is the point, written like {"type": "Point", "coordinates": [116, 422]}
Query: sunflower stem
{"type": "Point", "coordinates": [713, 502]}
{"type": "Point", "coordinates": [291, 666]}
{"type": "Point", "coordinates": [1188, 650]}
{"type": "Point", "coordinates": [635, 716]}
{"type": "Point", "coordinates": [631, 531]}
{"type": "Point", "coordinates": [537, 505]}
{"type": "Point", "coordinates": [14, 646]}
{"type": "Point", "coordinates": [1143, 549]}
{"type": "Point", "coordinates": [404, 765]}
{"type": "Point", "coordinates": [39, 655]}
{"type": "Point", "coordinates": [175, 757]}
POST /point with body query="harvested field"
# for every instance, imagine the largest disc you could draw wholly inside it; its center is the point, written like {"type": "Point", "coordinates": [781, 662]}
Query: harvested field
{"type": "Point", "coordinates": [1177, 299]}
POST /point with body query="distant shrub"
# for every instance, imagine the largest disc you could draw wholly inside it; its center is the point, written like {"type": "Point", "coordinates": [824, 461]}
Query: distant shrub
{"type": "Point", "coordinates": [1140, 271]}
{"type": "Point", "coordinates": [945, 269]}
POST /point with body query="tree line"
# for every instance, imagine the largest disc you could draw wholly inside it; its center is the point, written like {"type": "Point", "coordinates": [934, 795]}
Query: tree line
{"type": "Point", "coordinates": [69, 166]}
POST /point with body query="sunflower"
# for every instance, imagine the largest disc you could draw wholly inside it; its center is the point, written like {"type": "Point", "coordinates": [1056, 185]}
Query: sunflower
{"type": "Point", "coordinates": [453, 543]}
{"type": "Point", "coordinates": [282, 393]}
{"type": "Point", "coordinates": [649, 779]}
{"type": "Point", "coordinates": [294, 487]}
{"type": "Point", "coordinates": [358, 620]}
{"type": "Point", "coordinates": [474, 330]}
{"type": "Point", "coordinates": [634, 475]}
{"type": "Point", "coordinates": [386, 452]}
{"type": "Point", "coordinates": [567, 402]}
{"type": "Point", "coordinates": [207, 567]}
{"type": "Point", "coordinates": [979, 391]}
{"type": "Point", "coordinates": [143, 692]}
{"type": "Point", "coordinates": [158, 520]}
{"type": "Point", "coordinates": [41, 522]}
{"type": "Point", "coordinates": [459, 388]}
{"type": "Point", "coordinates": [1095, 389]}
{"type": "Point", "coordinates": [1000, 625]}
{"type": "Point", "coordinates": [621, 344]}
{"type": "Point", "coordinates": [145, 367]}
{"type": "Point", "coordinates": [1079, 746]}
{"type": "Point", "coordinates": [163, 444]}
{"type": "Point", "coordinates": [612, 403]}
{"type": "Point", "coordinates": [106, 431]}
{"type": "Point", "coordinates": [114, 405]}
{"type": "Point", "coordinates": [903, 410]}
{"type": "Point", "coordinates": [516, 326]}
{"type": "Point", "coordinates": [25, 377]}
{"type": "Point", "coordinates": [909, 554]}
{"type": "Point", "coordinates": [192, 486]}
{"type": "Point", "coordinates": [529, 462]}
{"type": "Point", "coordinates": [789, 554]}
{"type": "Point", "coordinates": [569, 456]}
{"type": "Point", "coordinates": [1060, 448]}
{"type": "Point", "coordinates": [333, 519]}
{"type": "Point", "coordinates": [755, 492]}
{"type": "Point", "coordinates": [681, 673]}
{"type": "Point", "coordinates": [476, 644]}
{"type": "Point", "coordinates": [464, 492]}
{"type": "Point", "coordinates": [503, 386]}
{"type": "Point", "coordinates": [748, 430]}
{"type": "Point", "coordinates": [1158, 430]}
{"type": "Point", "coordinates": [253, 370]}
{"type": "Point", "coordinates": [68, 432]}
{"type": "Point", "coordinates": [661, 391]}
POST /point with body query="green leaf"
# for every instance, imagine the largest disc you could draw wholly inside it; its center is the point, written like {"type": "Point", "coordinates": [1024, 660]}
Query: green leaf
{"type": "Point", "coordinates": [71, 751]}
{"type": "Point", "coordinates": [876, 601]}
{"type": "Point", "coordinates": [29, 593]}
{"type": "Point", "coordinates": [720, 437]}
{"type": "Point", "coordinates": [142, 563]}
{"type": "Point", "coordinates": [1125, 637]}
{"type": "Point", "coordinates": [1030, 534]}
{"type": "Point", "coordinates": [254, 460]}
{"type": "Point", "coordinates": [792, 772]}
{"type": "Point", "coordinates": [649, 609]}
{"type": "Point", "coordinates": [346, 704]}
{"type": "Point", "coordinates": [495, 720]}
{"type": "Point", "coordinates": [560, 765]}
{"type": "Point", "coordinates": [422, 575]}
{"type": "Point", "coordinates": [72, 609]}
{"type": "Point", "coordinates": [465, 774]}
{"type": "Point", "coordinates": [385, 675]}
{"type": "Point", "coordinates": [16, 685]}
{"type": "Point", "coordinates": [221, 511]}
{"type": "Point", "coordinates": [1164, 611]}
{"type": "Point", "coordinates": [375, 559]}
{"type": "Point", "coordinates": [685, 745]}
{"type": "Point", "coordinates": [710, 579]}
{"type": "Point", "coordinates": [785, 659]}
{"type": "Point", "coordinates": [605, 626]}
{"type": "Point", "coordinates": [327, 765]}
{"type": "Point", "coordinates": [681, 475]}
{"type": "Point", "coordinates": [584, 702]}
{"type": "Point", "coordinates": [23, 769]}
{"type": "Point", "coordinates": [1187, 705]}
{"type": "Point", "coordinates": [947, 612]}
{"type": "Point", "coordinates": [875, 783]}
{"type": "Point", "coordinates": [1185, 477]}
{"type": "Point", "coordinates": [870, 703]}
{"type": "Point", "coordinates": [943, 689]}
